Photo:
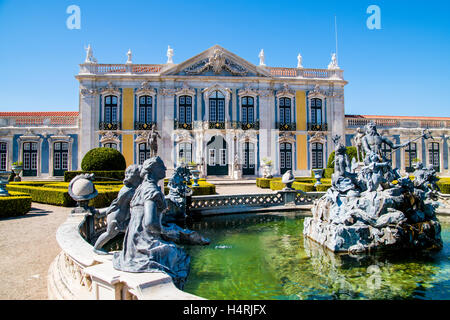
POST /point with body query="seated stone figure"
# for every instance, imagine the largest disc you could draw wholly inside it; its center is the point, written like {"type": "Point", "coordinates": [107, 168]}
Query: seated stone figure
{"type": "Point", "coordinates": [149, 244]}
{"type": "Point", "coordinates": [343, 179]}
{"type": "Point", "coordinates": [118, 213]}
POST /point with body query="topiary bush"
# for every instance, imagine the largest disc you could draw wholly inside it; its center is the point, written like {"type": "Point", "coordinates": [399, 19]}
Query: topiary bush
{"type": "Point", "coordinates": [103, 159]}
{"type": "Point", "coordinates": [263, 183]}
{"type": "Point", "coordinates": [16, 204]}
{"type": "Point", "coordinates": [351, 152]}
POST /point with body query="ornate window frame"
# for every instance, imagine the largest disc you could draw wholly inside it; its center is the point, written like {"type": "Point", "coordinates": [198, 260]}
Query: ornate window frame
{"type": "Point", "coordinates": [185, 91]}
{"type": "Point", "coordinates": [440, 142]}
{"type": "Point", "coordinates": [110, 90]}
{"type": "Point", "coordinates": [184, 137]}
{"type": "Point", "coordinates": [9, 152]}
{"type": "Point", "coordinates": [317, 94]}
{"type": "Point", "coordinates": [59, 137]}
{"type": "Point", "coordinates": [248, 92]}
{"type": "Point", "coordinates": [318, 137]}
{"type": "Point", "coordinates": [110, 137]}
{"type": "Point", "coordinates": [144, 90]}
{"type": "Point", "coordinates": [207, 92]}
{"type": "Point", "coordinates": [30, 137]}
{"type": "Point", "coordinates": [286, 93]}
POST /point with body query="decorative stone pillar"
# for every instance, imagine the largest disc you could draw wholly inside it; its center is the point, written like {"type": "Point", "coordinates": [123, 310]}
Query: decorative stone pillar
{"type": "Point", "coordinates": [89, 111]}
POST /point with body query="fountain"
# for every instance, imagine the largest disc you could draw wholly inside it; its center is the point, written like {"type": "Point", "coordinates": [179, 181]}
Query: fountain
{"type": "Point", "coordinates": [375, 208]}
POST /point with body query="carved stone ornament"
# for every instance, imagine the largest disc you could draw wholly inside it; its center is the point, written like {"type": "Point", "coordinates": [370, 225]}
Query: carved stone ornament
{"type": "Point", "coordinates": [286, 137]}
{"type": "Point", "coordinates": [286, 91]}
{"type": "Point", "coordinates": [247, 91]}
{"type": "Point", "coordinates": [183, 136]}
{"type": "Point", "coordinates": [185, 90]}
{"type": "Point", "coordinates": [167, 92]}
{"type": "Point", "coordinates": [217, 62]}
{"type": "Point", "coordinates": [317, 92]}
{"type": "Point", "coordinates": [109, 136]}
{"type": "Point", "coordinates": [109, 89]}
{"type": "Point", "coordinates": [88, 91]}
{"type": "Point", "coordinates": [142, 137]}
{"type": "Point", "coordinates": [318, 137]}
{"type": "Point", "coordinates": [145, 89]}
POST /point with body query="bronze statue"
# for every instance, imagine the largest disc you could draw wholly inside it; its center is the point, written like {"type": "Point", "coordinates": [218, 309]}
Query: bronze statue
{"type": "Point", "coordinates": [149, 244]}
{"type": "Point", "coordinates": [118, 213]}
{"type": "Point", "coordinates": [153, 141]}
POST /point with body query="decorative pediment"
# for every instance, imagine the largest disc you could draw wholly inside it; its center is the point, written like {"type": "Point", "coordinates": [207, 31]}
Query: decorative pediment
{"type": "Point", "coordinates": [318, 137]}
{"type": "Point", "coordinates": [217, 61]}
{"type": "Point", "coordinates": [286, 137]}
{"type": "Point", "coordinates": [316, 93]}
{"type": "Point", "coordinates": [185, 91]}
{"type": "Point", "coordinates": [183, 136]}
{"type": "Point", "coordinates": [29, 135]}
{"type": "Point", "coordinates": [142, 137]}
{"type": "Point", "coordinates": [248, 136]}
{"type": "Point", "coordinates": [286, 92]}
{"type": "Point", "coordinates": [217, 87]}
{"type": "Point", "coordinates": [109, 90]}
{"type": "Point", "coordinates": [145, 89]}
{"type": "Point", "coordinates": [247, 92]}
{"type": "Point", "coordinates": [109, 136]}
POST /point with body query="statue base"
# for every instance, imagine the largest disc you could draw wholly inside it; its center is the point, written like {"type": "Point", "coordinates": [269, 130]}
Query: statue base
{"type": "Point", "coordinates": [378, 220]}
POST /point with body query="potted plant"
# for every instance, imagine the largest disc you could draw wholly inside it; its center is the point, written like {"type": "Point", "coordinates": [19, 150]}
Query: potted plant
{"type": "Point", "coordinates": [17, 167]}
{"type": "Point", "coordinates": [195, 172]}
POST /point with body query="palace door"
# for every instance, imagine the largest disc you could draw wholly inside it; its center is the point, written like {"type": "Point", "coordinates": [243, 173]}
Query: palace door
{"type": "Point", "coordinates": [60, 158]}
{"type": "Point", "coordinates": [29, 159]}
{"type": "Point", "coordinates": [216, 153]}
{"type": "Point", "coordinates": [285, 157]}
{"type": "Point", "coordinates": [248, 164]}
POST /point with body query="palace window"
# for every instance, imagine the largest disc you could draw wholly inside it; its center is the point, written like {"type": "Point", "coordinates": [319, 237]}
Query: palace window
{"type": "Point", "coordinates": [144, 152]}
{"type": "Point", "coordinates": [29, 159]}
{"type": "Point", "coordinates": [316, 155]}
{"type": "Point", "coordinates": [316, 111]}
{"type": "Point", "coordinates": [410, 155]}
{"type": "Point", "coordinates": [185, 108]}
{"type": "Point", "coordinates": [145, 109]}
{"type": "Point", "coordinates": [386, 152]}
{"type": "Point", "coordinates": [285, 110]}
{"type": "Point", "coordinates": [248, 110]}
{"type": "Point", "coordinates": [433, 155]}
{"type": "Point", "coordinates": [285, 157]}
{"type": "Point", "coordinates": [185, 152]}
{"type": "Point", "coordinates": [217, 107]}
{"type": "Point", "coordinates": [110, 145]}
{"type": "Point", "coordinates": [3, 155]}
{"type": "Point", "coordinates": [110, 109]}
{"type": "Point", "coordinates": [60, 158]}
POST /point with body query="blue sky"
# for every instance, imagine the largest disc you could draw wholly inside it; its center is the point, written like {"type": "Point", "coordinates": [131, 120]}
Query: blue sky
{"type": "Point", "coordinates": [401, 69]}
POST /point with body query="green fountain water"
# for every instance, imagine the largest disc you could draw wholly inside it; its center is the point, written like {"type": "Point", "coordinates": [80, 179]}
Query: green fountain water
{"type": "Point", "coordinates": [266, 257]}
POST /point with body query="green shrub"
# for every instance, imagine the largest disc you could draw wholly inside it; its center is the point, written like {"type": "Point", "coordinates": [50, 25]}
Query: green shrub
{"type": "Point", "coordinates": [103, 159]}
{"type": "Point", "coordinates": [304, 186]}
{"type": "Point", "coordinates": [444, 186]}
{"type": "Point", "coordinates": [17, 204]}
{"type": "Point", "coordinates": [117, 175]}
{"type": "Point", "coordinates": [351, 152]}
{"type": "Point", "coordinates": [263, 183]}
{"type": "Point", "coordinates": [323, 187]}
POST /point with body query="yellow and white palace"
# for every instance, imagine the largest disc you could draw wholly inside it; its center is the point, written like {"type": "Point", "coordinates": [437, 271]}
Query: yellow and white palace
{"type": "Point", "coordinates": [215, 109]}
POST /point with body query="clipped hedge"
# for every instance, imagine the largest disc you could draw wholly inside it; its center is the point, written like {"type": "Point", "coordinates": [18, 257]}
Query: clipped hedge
{"type": "Point", "coordinates": [306, 187]}
{"type": "Point", "coordinates": [103, 159]}
{"type": "Point", "coordinates": [17, 204]}
{"type": "Point", "coordinates": [323, 187]}
{"type": "Point", "coordinates": [263, 183]}
{"type": "Point", "coordinates": [117, 175]}
{"type": "Point", "coordinates": [58, 195]}
{"type": "Point", "coordinates": [444, 186]}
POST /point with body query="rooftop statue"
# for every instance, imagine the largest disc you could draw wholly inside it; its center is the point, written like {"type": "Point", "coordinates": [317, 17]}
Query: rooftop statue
{"type": "Point", "coordinates": [118, 212]}
{"type": "Point", "coordinates": [376, 208]}
{"type": "Point", "coordinates": [149, 244]}
{"type": "Point", "coordinates": [169, 54]}
{"type": "Point", "coordinates": [299, 61]}
{"type": "Point", "coordinates": [262, 57]}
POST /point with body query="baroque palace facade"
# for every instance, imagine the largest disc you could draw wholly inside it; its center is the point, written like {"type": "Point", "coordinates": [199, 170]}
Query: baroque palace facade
{"type": "Point", "coordinates": [215, 109]}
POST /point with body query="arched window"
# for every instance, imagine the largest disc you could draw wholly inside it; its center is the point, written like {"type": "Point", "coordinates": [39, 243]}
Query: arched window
{"type": "Point", "coordinates": [386, 152]}
{"type": "Point", "coordinates": [316, 111]}
{"type": "Point", "coordinates": [217, 107]}
{"type": "Point", "coordinates": [248, 110]}
{"type": "Point", "coordinates": [433, 155]}
{"type": "Point", "coordinates": [144, 152]}
{"type": "Point", "coordinates": [285, 110]}
{"type": "Point", "coordinates": [410, 156]}
{"type": "Point", "coordinates": [3, 156]}
{"type": "Point", "coordinates": [110, 145]}
{"type": "Point", "coordinates": [110, 109]}
{"type": "Point", "coordinates": [316, 155]}
{"type": "Point", "coordinates": [145, 109]}
{"type": "Point", "coordinates": [185, 152]}
{"type": "Point", "coordinates": [185, 109]}
{"type": "Point", "coordinates": [285, 157]}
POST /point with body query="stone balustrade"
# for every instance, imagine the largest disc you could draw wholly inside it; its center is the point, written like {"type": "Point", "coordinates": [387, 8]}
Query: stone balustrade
{"type": "Point", "coordinates": [30, 119]}
{"type": "Point", "coordinates": [353, 121]}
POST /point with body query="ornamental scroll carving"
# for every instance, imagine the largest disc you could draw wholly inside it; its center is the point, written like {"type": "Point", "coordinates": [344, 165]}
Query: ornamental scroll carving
{"type": "Point", "coordinates": [217, 62]}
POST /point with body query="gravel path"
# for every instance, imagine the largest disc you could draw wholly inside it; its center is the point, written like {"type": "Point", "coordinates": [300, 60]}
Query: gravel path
{"type": "Point", "coordinates": [27, 248]}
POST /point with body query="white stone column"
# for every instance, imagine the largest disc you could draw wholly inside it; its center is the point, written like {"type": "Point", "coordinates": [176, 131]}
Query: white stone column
{"type": "Point", "coordinates": [165, 118]}
{"type": "Point", "coordinates": [89, 121]}
{"type": "Point", "coordinates": [266, 127]}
